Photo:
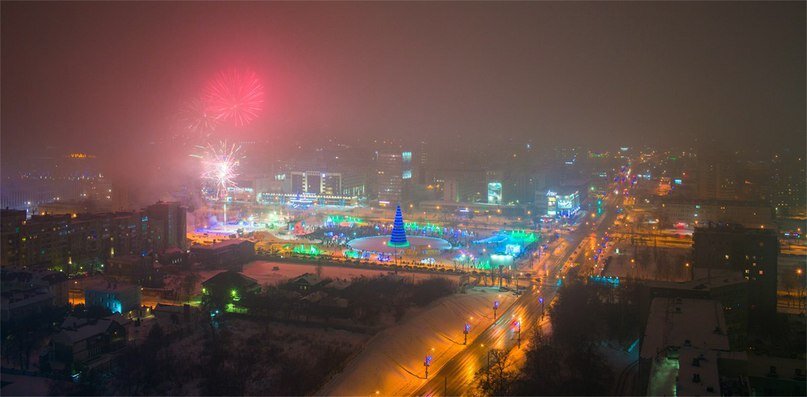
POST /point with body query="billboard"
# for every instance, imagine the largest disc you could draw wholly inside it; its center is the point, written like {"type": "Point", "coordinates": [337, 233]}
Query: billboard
{"type": "Point", "coordinates": [551, 203]}
{"type": "Point", "coordinates": [565, 205]}
{"type": "Point", "coordinates": [494, 192]}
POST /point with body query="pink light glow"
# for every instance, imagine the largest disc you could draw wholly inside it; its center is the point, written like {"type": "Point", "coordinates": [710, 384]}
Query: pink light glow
{"type": "Point", "coordinates": [235, 96]}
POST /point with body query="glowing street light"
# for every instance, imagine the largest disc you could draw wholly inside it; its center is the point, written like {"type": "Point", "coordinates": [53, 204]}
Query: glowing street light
{"type": "Point", "coordinates": [518, 328]}
{"type": "Point", "coordinates": [427, 363]}
{"type": "Point", "coordinates": [465, 332]}
{"type": "Point", "coordinates": [541, 301]}
{"type": "Point", "coordinates": [495, 307]}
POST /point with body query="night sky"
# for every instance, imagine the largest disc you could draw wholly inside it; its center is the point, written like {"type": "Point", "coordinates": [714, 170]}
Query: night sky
{"type": "Point", "coordinates": [102, 77]}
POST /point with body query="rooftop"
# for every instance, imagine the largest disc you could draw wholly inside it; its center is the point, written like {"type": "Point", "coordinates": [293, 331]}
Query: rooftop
{"type": "Point", "coordinates": [220, 245]}
{"type": "Point", "coordinates": [698, 373]}
{"type": "Point", "coordinates": [230, 279]}
{"type": "Point", "coordinates": [307, 278]}
{"type": "Point", "coordinates": [704, 280]}
{"type": "Point", "coordinates": [674, 323]}
{"type": "Point", "coordinates": [78, 329]}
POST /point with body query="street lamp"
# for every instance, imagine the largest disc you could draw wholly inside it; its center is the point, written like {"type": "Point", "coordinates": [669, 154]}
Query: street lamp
{"type": "Point", "coordinates": [541, 301]}
{"type": "Point", "coordinates": [495, 307]}
{"type": "Point", "coordinates": [518, 326]}
{"type": "Point", "coordinates": [465, 331]}
{"type": "Point", "coordinates": [426, 364]}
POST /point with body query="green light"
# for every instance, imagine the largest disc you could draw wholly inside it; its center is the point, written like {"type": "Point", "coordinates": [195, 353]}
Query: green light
{"type": "Point", "coordinates": [522, 237]}
{"type": "Point", "coordinates": [311, 250]}
{"type": "Point", "coordinates": [352, 254]}
{"type": "Point", "coordinates": [337, 219]}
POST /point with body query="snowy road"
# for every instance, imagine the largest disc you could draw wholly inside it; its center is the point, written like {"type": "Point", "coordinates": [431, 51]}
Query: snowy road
{"type": "Point", "coordinates": [392, 362]}
{"type": "Point", "coordinates": [454, 377]}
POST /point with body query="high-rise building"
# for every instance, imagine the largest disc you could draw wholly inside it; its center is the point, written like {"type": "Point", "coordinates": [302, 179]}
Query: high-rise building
{"type": "Point", "coordinates": [169, 220]}
{"type": "Point", "coordinates": [451, 191]}
{"type": "Point", "coordinates": [12, 221]}
{"type": "Point", "coordinates": [316, 182]}
{"type": "Point", "coordinates": [752, 252]}
{"type": "Point", "coordinates": [389, 171]}
{"type": "Point", "coordinates": [422, 170]}
{"type": "Point", "coordinates": [406, 160]}
{"type": "Point", "coordinates": [717, 177]}
{"type": "Point", "coordinates": [787, 184]}
{"type": "Point", "coordinates": [75, 242]}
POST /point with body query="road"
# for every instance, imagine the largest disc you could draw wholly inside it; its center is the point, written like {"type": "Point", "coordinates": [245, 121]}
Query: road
{"type": "Point", "coordinates": [454, 377]}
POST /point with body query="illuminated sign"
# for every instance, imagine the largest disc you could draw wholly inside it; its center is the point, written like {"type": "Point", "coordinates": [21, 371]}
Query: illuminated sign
{"type": "Point", "coordinates": [494, 192]}
{"type": "Point", "coordinates": [512, 249]}
{"type": "Point", "coordinates": [498, 260]}
{"type": "Point", "coordinates": [406, 157]}
{"type": "Point", "coordinates": [565, 202]}
{"type": "Point", "coordinates": [551, 203]}
{"type": "Point", "coordinates": [80, 156]}
{"type": "Point", "coordinates": [562, 204]}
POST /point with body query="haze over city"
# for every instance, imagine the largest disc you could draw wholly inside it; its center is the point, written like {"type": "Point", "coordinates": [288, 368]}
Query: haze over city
{"type": "Point", "coordinates": [403, 198]}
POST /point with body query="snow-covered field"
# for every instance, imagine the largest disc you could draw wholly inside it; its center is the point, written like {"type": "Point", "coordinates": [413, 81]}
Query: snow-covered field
{"type": "Point", "coordinates": [262, 271]}
{"type": "Point", "coordinates": [392, 362]}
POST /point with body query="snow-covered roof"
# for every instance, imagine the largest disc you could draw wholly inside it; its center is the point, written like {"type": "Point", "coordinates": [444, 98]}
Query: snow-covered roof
{"type": "Point", "coordinates": [339, 284]}
{"type": "Point", "coordinates": [676, 323]}
{"type": "Point", "coordinates": [229, 279]}
{"type": "Point", "coordinates": [307, 278]}
{"type": "Point", "coordinates": [75, 330]}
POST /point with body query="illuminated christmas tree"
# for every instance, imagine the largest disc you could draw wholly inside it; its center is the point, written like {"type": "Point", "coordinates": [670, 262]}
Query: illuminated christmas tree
{"type": "Point", "coordinates": [398, 237]}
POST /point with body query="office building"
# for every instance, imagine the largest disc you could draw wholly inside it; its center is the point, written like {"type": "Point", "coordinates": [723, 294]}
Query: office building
{"type": "Point", "coordinates": [78, 243]}
{"type": "Point", "coordinates": [168, 219]}
{"type": "Point", "coordinates": [562, 203]}
{"type": "Point", "coordinates": [389, 171]}
{"type": "Point", "coordinates": [753, 253]}
{"type": "Point", "coordinates": [315, 182]}
{"type": "Point", "coordinates": [694, 213]}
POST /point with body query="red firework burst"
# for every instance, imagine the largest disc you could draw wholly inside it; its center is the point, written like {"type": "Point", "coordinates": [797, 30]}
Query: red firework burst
{"type": "Point", "coordinates": [235, 96]}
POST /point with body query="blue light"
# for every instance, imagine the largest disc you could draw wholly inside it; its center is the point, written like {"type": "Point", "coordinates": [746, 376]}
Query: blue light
{"type": "Point", "coordinates": [398, 237]}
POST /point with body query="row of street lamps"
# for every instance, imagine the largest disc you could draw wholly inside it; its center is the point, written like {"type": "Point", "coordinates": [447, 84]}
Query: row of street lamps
{"type": "Point", "coordinates": [427, 361]}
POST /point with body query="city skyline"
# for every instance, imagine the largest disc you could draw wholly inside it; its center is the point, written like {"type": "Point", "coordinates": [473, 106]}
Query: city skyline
{"type": "Point", "coordinates": [403, 198]}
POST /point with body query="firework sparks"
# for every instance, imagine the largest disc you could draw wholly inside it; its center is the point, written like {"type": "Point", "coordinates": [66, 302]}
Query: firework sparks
{"type": "Point", "coordinates": [219, 167]}
{"type": "Point", "coordinates": [195, 117]}
{"type": "Point", "coordinates": [235, 96]}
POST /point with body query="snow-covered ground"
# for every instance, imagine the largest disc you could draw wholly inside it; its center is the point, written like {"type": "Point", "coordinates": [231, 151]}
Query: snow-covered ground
{"type": "Point", "coordinates": [392, 362]}
{"type": "Point", "coordinates": [262, 271]}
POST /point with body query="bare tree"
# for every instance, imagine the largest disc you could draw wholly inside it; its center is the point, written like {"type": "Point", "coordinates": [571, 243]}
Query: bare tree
{"type": "Point", "coordinates": [497, 378]}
